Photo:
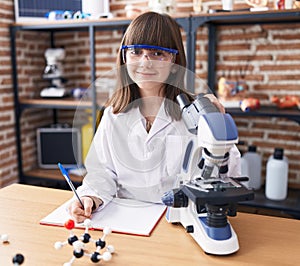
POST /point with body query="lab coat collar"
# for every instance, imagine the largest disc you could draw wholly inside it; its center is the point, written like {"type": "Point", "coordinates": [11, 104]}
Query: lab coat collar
{"type": "Point", "coordinates": [161, 121]}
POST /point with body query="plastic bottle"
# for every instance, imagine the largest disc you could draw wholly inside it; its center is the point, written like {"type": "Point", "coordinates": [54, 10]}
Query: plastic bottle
{"type": "Point", "coordinates": [87, 136]}
{"type": "Point", "coordinates": [197, 6]}
{"type": "Point", "coordinates": [254, 167]}
{"type": "Point", "coordinates": [244, 170]}
{"type": "Point", "coordinates": [277, 176]}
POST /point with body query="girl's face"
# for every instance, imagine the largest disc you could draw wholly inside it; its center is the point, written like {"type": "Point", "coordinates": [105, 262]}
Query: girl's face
{"type": "Point", "coordinates": [148, 66]}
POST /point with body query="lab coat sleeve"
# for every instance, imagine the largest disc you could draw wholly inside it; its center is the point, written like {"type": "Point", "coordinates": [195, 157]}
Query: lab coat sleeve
{"type": "Point", "coordinates": [100, 180]}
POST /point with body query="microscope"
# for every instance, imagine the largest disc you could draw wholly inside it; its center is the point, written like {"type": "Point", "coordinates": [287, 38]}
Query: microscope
{"type": "Point", "coordinates": [53, 72]}
{"type": "Point", "coordinates": [206, 195]}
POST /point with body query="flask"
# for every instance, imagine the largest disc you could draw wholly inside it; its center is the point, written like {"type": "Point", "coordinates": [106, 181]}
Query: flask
{"type": "Point", "coordinates": [277, 176]}
{"type": "Point", "coordinates": [254, 167]}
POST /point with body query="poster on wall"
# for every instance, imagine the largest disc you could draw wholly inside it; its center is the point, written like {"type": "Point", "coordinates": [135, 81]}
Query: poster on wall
{"type": "Point", "coordinates": [35, 10]}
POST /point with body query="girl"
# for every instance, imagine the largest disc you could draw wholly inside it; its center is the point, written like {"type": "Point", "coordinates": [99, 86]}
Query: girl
{"type": "Point", "coordinates": [138, 148]}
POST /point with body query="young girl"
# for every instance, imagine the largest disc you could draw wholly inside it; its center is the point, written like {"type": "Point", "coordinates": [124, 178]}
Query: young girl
{"type": "Point", "coordinates": [139, 145]}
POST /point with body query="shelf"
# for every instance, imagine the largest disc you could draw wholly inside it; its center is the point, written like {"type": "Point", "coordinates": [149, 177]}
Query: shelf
{"type": "Point", "coordinates": [51, 174]}
{"type": "Point", "coordinates": [190, 24]}
{"type": "Point", "coordinates": [291, 205]}
{"type": "Point", "coordinates": [85, 24]}
{"type": "Point", "coordinates": [248, 17]}
{"type": "Point", "coordinates": [268, 111]}
{"type": "Point", "coordinates": [71, 25]}
{"type": "Point", "coordinates": [234, 18]}
{"type": "Point", "coordinates": [65, 103]}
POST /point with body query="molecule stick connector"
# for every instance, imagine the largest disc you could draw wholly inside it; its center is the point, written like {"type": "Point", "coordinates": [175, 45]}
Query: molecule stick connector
{"type": "Point", "coordinates": [78, 244]}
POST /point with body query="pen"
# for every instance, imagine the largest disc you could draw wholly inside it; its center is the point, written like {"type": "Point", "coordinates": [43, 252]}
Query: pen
{"type": "Point", "coordinates": [68, 179]}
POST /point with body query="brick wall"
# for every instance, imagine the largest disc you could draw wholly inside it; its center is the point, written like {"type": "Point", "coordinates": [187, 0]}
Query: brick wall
{"type": "Point", "coordinates": [269, 57]}
{"type": "Point", "coordinates": [271, 54]}
{"type": "Point", "coordinates": [8, 166]}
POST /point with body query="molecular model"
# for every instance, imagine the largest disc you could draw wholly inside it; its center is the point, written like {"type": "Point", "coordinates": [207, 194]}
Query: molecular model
{"type": "Point", "coordinates": [18, 259]}
{"type": "Point", "coordinates": [79, 244]}
{"type": "Point", "coordinates": [4, 238]}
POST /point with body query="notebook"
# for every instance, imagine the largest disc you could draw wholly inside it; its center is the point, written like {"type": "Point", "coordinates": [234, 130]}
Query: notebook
{"type": "Point", "coordinates": [121, 215]}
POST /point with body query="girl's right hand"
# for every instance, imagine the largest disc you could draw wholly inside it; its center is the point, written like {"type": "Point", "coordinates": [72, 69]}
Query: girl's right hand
{"type": "Point", "coordinates": [78, 213]}
{"type": "Point", "coordinates": [216, 102]}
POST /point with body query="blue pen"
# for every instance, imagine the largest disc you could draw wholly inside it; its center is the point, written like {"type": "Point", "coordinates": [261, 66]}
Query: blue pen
{"type": "Point", "coordinates": [68, 179]}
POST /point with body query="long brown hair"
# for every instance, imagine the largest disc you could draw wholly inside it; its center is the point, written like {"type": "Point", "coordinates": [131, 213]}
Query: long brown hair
{"type": "Point", "coordinates": [152, 29]}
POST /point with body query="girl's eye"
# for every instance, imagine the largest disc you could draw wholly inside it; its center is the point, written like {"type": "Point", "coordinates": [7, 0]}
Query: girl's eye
{"type": "Point", "coordinates": [136, 51]}
{"type": "Point", "coordinates": [157, 53]}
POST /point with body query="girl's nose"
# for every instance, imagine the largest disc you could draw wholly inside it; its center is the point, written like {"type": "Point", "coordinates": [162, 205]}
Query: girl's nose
{"type": "Point", "coordinates": [146, 56]}
{"type": "Point", "coordinates": [145, 59]}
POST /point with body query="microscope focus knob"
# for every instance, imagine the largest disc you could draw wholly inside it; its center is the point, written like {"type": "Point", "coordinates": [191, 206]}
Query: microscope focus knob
{"type": "Point", "coordinates": [175, 198]}
{"type": "Point", "coordinates": [189, 229]}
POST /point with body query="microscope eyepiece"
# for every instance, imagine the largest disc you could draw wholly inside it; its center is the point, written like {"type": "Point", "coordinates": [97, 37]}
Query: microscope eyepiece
{"type": "Point", "coordinates": [183, 101]}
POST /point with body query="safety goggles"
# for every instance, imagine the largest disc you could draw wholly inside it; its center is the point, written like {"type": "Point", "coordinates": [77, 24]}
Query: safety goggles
{"type": "Point", "coordinates": [134, 53]}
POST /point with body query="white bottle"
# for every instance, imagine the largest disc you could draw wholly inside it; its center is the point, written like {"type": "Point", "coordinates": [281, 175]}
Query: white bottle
{"type": "Point", "coordinates": [254, 167]}
{"type": "Point", "coordinates": [277, 176]}
{"type": "Point", "coordinates": [244, 170]}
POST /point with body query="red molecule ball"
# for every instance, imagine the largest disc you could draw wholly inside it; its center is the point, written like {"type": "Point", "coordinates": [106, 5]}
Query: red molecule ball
{"type": "Point", "coordinates": [70, 224]}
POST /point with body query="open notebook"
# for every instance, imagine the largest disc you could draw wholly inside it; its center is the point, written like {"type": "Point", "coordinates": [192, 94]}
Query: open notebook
{"type": "Point", "coordinates": [121, 215]}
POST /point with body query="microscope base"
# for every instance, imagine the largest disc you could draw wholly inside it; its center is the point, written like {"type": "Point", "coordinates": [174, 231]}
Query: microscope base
{"type": "Point", "coordinates": [216, 241]}
{"type": "Point", "coordinates": [53, 92]}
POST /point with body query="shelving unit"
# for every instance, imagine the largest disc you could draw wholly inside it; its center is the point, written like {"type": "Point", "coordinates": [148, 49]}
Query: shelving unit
{"type": "Point", "coordinates": [190, 25]}
{"type": "Point", "coordinates": [233, 19]}
{"type": "Point", "coordinates": [90, 26]}
{"type": "Point", "coordinates": [212, 21]}
{"type": "Point", "coordinates": [269, 111]}
{"type": "Point", "coordinates": [289, 206]}
{"type": "Point", "coordinates": [66, 103]}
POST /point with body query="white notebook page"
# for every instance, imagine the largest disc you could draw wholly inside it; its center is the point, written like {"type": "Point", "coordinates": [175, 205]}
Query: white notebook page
{"type": "Point", "coordinates": [121, 215]}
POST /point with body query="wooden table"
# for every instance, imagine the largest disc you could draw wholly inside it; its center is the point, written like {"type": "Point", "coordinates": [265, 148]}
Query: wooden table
{"type": "Point", "coordinates": [264, 240]}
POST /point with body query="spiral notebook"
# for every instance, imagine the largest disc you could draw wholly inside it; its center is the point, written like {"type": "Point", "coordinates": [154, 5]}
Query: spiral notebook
{"type": "Point", "coordinates": [121, 215]}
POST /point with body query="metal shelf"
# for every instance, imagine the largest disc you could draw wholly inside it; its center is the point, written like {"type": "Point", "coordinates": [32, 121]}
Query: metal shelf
{"type": "Point", "coordinates": [291, 205]}
{"type": "Point", "coordinates": [72, 25]}
{"type": "Point", "coordinates": [51, 174]}
{"type": "Point", "coordinates": [58, 26]}
{"type": "Point", "coordinates": [20, 104]}
{"type": "Point", "coordinates": [190, 25]}
{"type": "Point", "coordinates": [50, 178]}
{"type": "Point", "coordinates": [66, 103]}
{"type": "Point", "coordinates": [268, 111]}
{"type": "Point", "coordinates": [235, 19]}
{"type": "Point", "coordinates": [246, 17]}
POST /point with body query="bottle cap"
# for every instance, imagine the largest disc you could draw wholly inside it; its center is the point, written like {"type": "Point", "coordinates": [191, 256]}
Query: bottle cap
{"type": "Point", "coordinates": [252, 148]}
{"type": "Point", "coordinates": [278, 153]}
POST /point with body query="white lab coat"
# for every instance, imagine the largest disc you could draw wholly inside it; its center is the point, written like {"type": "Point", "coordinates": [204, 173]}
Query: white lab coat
{"type": "Point", "coordinates": [126, 161]}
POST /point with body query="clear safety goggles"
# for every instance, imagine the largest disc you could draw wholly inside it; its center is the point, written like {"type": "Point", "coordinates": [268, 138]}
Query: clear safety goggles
{"type": "Point", "coordinates": [134, 53]}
